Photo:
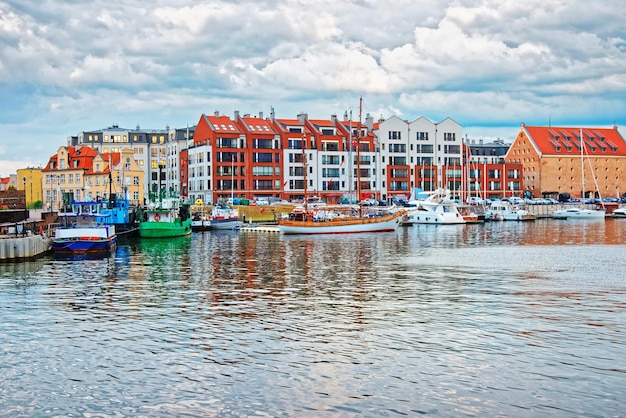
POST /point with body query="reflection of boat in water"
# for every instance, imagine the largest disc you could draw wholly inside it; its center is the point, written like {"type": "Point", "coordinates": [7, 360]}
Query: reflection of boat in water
{"type": "Point", "coordinates": [436, 209]}
{"type": "Point", "coordinates": [505, 211]}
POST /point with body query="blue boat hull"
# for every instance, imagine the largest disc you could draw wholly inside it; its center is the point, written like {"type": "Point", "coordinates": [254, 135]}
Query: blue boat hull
{"type": "Point", "coordinates": [80, 246]}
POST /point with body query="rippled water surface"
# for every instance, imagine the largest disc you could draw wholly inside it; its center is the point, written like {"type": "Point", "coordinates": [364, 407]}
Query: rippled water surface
{"type": "Point", "coordinates": [508, 319]}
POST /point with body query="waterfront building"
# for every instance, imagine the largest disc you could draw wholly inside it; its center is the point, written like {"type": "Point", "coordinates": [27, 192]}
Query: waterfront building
{"type": "Point", "coordinates": [156, 151]}
{"type": "Point", "coordinates": [257, 158]}
{"type": "Point", "coordinates": [552, 163]}
{"type": "Point", "coordinates": [83, 173]}
{"type": "Point", "coordinates": [419, 154]}
{"type": "Point", "coordinates": [30, 180]}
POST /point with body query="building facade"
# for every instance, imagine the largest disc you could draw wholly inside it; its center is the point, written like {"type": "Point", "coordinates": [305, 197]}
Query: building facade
{"type": "Point", "coordinates": [83, 173]}
{"type": "Point", "coordinates": [579, 161]}
{"type": "Point", "coordinates": [30, 180]}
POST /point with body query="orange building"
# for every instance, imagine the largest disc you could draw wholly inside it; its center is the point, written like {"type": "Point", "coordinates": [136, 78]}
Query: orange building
{"type": "Point", "coordinates": [553, 161]}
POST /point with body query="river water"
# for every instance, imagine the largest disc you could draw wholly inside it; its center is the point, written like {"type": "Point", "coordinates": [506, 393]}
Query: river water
{"type": "Point", "coordinates": [500, 319]}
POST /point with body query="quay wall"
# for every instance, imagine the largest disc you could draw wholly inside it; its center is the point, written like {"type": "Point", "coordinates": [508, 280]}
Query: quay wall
{"type": "Point", "coordinates": [18, 248]}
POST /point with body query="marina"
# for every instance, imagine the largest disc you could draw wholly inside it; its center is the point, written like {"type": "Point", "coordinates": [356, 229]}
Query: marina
{"type": "Point", "coordinates": [493, 319]}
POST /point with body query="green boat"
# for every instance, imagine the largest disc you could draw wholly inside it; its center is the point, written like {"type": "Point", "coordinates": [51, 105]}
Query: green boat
{"type": "Point", "coordinates": [165, 217]}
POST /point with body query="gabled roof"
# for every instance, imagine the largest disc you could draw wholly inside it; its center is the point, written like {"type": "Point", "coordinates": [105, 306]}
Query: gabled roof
{"type": "Point", "coordinates": [566, 140]}
{"type": "Point", "coordinates": [222, 125]}
{"type": "Point", "coordinates": [259, 126]}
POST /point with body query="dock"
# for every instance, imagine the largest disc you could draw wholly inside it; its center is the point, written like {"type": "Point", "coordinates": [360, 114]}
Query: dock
{"type": "Point", "coordinates": [259, 228]}
{"type": "Point", "coordinates": [21, 248]}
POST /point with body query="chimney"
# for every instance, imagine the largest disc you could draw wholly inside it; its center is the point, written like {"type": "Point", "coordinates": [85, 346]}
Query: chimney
{"type": "Point", "coordinates": [272, 114]}
{"type": "Point", "coordinates": [333, 119]}
{"type": "Point", "coordinates": [369, 122]}
{"type": "Point", "coordinates": [345, 116]}
{"type": "Point", "coordinates": [216, 113]}
{"type": "Point", "coordinates": [302, 117]}
{"type": "Point", "coordinates": [260, 115]}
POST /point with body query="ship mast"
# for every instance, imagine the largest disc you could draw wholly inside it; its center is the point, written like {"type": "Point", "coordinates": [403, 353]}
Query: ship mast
{"type": "Point", "coordinates": [306, 209]}
{"type": "Point", "coordinates": [358, 157]}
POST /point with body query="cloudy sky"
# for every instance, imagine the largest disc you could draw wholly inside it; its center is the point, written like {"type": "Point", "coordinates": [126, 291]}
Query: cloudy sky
{"type": "Point", "coordinates": [73, 65]}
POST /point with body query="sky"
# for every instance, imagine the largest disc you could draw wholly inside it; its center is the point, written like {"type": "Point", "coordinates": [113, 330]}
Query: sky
{"type": "Point", "coordinates": [71, 66]}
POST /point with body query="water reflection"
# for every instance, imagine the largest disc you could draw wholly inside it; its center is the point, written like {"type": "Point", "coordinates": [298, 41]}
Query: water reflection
{"type": "Point", "coordinates": [510, 319]}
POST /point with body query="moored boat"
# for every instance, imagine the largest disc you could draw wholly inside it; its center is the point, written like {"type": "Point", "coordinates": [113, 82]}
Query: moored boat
{"type": "Point", "coordinates": [339, 220]}
{"type": "Point", "coordinates": [224, 216]}
{"type": "Point", "coordinates": [200, 221]}
{"type": "Point", "coordinates": [436, 209]}
{"type": "Point", "coordinates": [84, 233]}
{"type": "Point", "coordinates": [505, 211]}
{"type": "Point", "coordinates": [578, 213]}
{"type": "Point", "coordinates": [620, 213]}
{"type": "Point", "coordinates": [164, 218]}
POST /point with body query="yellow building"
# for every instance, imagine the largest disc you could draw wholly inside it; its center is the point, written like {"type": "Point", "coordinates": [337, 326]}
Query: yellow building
{"type": "Point", "coordinates": [29, 180]}
{"type": "Point", "coordinates": [556, 161]}
{"type": "Point", "coordinates": [82, 173]}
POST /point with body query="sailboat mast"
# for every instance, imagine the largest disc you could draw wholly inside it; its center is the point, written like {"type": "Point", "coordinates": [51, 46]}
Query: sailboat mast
{"type": "Point", "coordinates": [358, 155]}
{"type": "Point", "coordinates": [582, 167]}
{"type": "Point", "coordinates": [304, 171]}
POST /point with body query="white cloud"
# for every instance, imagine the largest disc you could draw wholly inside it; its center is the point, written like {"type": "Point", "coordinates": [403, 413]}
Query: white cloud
{"type": "Point", "coordinates": [72, 66]}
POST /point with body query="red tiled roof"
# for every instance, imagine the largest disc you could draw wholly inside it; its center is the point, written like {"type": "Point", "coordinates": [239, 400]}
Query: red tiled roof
{"type": "Point", "coordinates": [223, 124]}
{"type": "Point", "coordinates": [566, 141]}
{"type": "Point", "coordinates": [259, 126]}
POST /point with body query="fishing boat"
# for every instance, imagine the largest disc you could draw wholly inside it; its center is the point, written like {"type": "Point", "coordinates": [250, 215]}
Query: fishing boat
{"type": "Point", "coordinates": [580, 212]}
{"type": "Point", "coordinates": [165, 217]}
{"type": "Point", "coordinates": [84, 233]}
{"type": "Point", "coordinates": [124, 216]}
{"type": "Point", "coordinates": [501, 210]}
{"type": "Point", "coordinates": [436, 209]}
{"type": "Point", "coordinates": [224, 216]}
{"type": "Point", "coordinates": [341, 219]}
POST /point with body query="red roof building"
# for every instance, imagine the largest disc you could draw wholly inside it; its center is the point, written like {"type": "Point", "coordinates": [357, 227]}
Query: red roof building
{"type": "Point", "coordinates": [556, 161]}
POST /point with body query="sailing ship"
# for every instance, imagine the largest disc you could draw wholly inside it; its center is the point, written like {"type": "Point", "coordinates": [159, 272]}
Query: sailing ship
{"type": "Point", "coordinates": [341, 219]}
{"type": "Point", "coordinates": [580, 212]}
{"type": "Point", "coordinates": [165, 217]}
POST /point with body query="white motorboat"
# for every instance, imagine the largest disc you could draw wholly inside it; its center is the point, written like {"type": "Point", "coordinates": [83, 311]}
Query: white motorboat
{"type": "Point", "coordinates": [578, 213]}
{"type": "Point", "coordinates": [505, 211]}
{"type": "Point", "coordinates": [436, 209]}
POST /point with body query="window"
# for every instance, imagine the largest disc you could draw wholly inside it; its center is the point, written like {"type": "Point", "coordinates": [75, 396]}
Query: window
{"type": "Point", "coordinates": [422, 136]}
{"type": "Point", "coordinates": [395, 135]}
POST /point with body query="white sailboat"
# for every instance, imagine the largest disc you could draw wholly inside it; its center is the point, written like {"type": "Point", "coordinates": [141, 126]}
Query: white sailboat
{"type": "Point", "coordinates": [580, 212]}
